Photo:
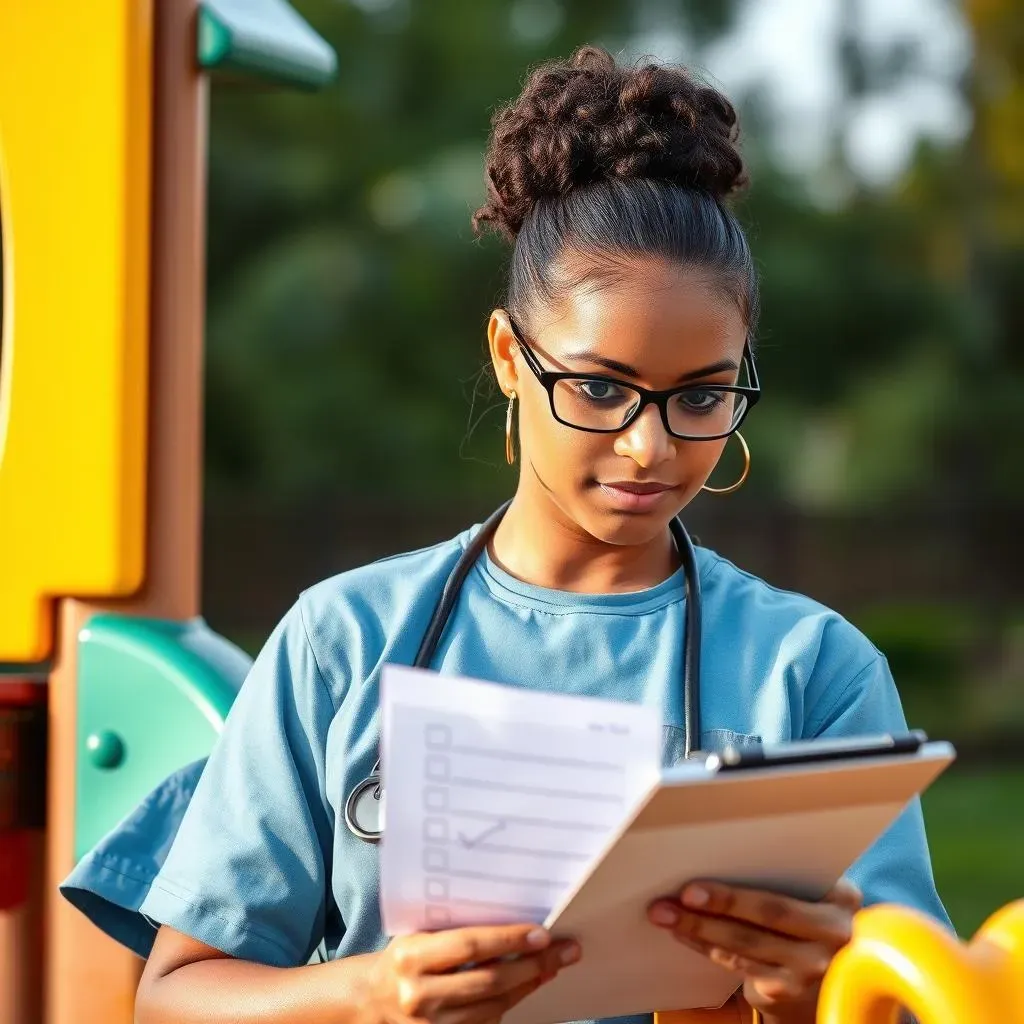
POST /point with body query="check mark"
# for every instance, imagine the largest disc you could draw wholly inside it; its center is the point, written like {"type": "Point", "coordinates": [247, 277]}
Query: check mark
{"type": "Point", "coordinates": [469, 843]}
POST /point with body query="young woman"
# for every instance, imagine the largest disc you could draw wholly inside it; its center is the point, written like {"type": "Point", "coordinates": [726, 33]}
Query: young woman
{"type": "Point", "coordinates": [626, 351]}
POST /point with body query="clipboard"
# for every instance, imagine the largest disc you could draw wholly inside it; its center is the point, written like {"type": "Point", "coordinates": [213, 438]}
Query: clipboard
{"type": "Point", "coordinates": [790, 818]}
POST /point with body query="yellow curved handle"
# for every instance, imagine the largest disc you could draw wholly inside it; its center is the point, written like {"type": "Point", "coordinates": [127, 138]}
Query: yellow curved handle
{"type": "Point", "coordinates": [901, 958]}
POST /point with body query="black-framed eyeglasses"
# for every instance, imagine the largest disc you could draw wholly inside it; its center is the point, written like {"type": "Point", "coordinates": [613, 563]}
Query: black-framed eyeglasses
{"type": "Point", "coordinates": [607, 405]}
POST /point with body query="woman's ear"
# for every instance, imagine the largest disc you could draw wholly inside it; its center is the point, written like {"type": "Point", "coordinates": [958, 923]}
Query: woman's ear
{"type": "Point", "coordinates": [502, 344]}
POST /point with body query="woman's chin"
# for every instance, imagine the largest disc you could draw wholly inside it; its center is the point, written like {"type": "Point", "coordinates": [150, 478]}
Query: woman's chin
{"type": "Point", "coordinates": [625, 528]}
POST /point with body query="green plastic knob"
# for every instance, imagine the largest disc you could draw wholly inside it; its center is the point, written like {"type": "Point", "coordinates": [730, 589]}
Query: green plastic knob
{"type": "Point", "coordinates": [106, 749]}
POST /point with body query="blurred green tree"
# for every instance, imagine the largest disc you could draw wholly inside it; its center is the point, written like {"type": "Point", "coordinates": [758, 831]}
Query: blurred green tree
{"type": "Point", "coordinates": [347, 298]}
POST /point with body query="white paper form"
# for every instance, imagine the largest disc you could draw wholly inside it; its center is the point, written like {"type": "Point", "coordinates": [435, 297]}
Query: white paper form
{"type": "Point", "coordinates": [497, 798]}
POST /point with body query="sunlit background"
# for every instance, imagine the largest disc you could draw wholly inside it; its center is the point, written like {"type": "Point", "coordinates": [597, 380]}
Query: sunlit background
{"type": "Point", "coordinates": [350, 415]}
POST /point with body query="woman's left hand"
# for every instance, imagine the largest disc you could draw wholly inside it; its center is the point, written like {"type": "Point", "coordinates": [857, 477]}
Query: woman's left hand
{"type": "Point", "coordinates": [780, 946]}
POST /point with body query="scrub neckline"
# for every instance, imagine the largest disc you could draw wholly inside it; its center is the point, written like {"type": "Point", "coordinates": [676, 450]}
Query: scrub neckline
{"type": "Point", "coordinates": [632, 602]}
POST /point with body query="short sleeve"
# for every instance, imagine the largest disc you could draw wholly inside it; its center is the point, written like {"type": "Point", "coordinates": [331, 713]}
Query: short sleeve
{"type": "Point", "coordinates": [897, 868]}
{"type": "Point", "coordinates": [247, 871]}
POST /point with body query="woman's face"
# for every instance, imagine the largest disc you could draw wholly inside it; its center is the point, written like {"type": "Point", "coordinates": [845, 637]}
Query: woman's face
{"type": "Point", "coordinates": [659, 327]}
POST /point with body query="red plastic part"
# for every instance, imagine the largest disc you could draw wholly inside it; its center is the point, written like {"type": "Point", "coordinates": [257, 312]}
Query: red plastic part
{"type": "Point", "coordinates": [15, 868]}
{"type": "Point", "coordinates": [21, 693]}
{"type": "Point", "coordinates": [15, 844]}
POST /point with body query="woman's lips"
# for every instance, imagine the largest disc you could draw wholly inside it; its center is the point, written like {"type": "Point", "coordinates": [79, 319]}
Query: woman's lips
{"type": "Point", "coordinates": [635, 497]}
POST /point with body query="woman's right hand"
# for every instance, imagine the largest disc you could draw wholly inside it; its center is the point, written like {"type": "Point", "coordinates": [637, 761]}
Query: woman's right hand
{"type": "Point", "coordinates": [464, 975]}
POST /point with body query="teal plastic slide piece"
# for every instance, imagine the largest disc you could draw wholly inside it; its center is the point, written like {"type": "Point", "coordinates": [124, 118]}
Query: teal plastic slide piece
{"type": "Point", "coordinates": [152, 698]}
{"type": "Point", "coordinates": [265, 38]}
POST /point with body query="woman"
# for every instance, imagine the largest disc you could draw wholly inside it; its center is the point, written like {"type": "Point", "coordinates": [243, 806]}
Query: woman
{"type": "Point", "coordinates": [625, 351]}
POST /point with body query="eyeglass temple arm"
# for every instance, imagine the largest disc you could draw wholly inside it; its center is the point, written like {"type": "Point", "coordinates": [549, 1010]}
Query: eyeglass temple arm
{"type": "Point", "coordinates": [531, 359]}
{"type": "Point", "coordinates": [748, 354]}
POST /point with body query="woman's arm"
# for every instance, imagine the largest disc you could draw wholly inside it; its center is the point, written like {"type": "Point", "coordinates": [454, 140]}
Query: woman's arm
{"type": "Point", "coordinates": [186, 982]}
{"type": "Point", "coordinates": [416, 976]}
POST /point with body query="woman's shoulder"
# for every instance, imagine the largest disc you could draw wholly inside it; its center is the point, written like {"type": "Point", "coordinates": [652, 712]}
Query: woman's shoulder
{"type": "Point", "coordinates": [761, 608]}
{"type": "Point", "coordinates": [384, 582]}
{"type": "Point", "coordinates": [355, 620]}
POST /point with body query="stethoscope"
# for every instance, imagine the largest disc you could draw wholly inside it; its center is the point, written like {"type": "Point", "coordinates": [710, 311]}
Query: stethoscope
{"type": "Point", "coordinates": [363, 807]}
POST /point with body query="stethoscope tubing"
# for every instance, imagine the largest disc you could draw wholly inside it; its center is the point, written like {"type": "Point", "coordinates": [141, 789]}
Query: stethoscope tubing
{"type": "Point", "coordinates": [442, 613]}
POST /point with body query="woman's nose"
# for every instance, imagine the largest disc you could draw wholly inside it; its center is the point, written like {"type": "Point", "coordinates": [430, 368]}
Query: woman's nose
{"type": "Point", "coordinates": [646, 441]}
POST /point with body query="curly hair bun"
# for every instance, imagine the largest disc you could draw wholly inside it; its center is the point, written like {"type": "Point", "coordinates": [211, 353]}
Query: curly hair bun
{"type": "Point", "coordinates": [585, 119]}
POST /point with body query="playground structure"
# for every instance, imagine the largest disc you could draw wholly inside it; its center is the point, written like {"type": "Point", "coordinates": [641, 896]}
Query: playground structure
{"type": "Point", "coordinates": [109, 678]}
{"type": "Point", "coordinates": [898, 958]}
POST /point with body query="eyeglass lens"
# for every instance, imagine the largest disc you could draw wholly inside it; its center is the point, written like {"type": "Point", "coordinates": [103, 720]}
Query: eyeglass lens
{"type": "Point", "coordinates": [600, 405]}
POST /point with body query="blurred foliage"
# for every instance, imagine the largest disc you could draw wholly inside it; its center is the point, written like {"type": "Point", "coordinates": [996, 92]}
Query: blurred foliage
{"type": "Point", "coordinates": [348, 299]}
{"type": "Point", "coordinates": [976, 835]}
{"type": "Point", "coordinates": [932, 650]}
{"type": "Point", "coordinates": [926, 645]}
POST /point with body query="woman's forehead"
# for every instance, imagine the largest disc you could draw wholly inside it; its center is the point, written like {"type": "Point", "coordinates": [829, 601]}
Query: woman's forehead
{"type": "Point", "coordinates": [663, 321]}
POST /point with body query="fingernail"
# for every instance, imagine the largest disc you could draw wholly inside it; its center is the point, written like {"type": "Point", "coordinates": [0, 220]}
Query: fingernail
{"type": "Point", "coordinates": [695, 896]}
{"type": "Point", "coordinates": [662, 913]}
{"type": "Point", "coordinates": [538, 938]}
{"type": "Point", "coordinates": [570, 954]}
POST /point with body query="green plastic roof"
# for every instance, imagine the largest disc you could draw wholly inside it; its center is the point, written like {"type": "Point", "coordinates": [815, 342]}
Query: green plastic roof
{"type": "Point", "coordinates": [266, 38]}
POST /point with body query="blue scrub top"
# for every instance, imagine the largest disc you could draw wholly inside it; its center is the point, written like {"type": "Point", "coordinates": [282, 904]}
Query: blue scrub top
{"type": "Point", "coordinates": [249, 852]}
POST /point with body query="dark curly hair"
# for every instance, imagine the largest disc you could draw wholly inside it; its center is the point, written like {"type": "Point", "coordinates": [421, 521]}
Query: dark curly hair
{"type": "Point", "coordinates": [604, 163]}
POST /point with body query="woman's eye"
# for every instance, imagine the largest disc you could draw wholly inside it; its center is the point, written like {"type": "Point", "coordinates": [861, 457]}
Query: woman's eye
{"type": "Point", "coordinates": [700, 401]}
{"type": "Point", "coordinates": [599, 390]}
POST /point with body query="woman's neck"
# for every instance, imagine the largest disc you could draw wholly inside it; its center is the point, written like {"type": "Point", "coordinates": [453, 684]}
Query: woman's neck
{"type": "Point", "coordinates": [538, 544]}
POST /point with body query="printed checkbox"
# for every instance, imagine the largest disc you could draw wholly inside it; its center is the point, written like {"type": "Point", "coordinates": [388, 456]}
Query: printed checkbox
{"type": "Point", "coordinates": [436, 888]}
{"type": "Point", "coordinates": [437, 767]}
{"type": "Point", "coordinates": [438, 737]}
{"type": "Point", "coordinates": [435, 859]}
{"type": "Point", "coordinates": [435, 830]}
{"type": "Point", "coordinates": [438, 917]}
{"type": "Point", "coordinates": [435, 798]}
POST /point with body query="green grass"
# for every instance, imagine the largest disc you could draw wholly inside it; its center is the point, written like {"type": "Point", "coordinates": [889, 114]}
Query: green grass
{"type": "Point", "coordinates": [975, 823]}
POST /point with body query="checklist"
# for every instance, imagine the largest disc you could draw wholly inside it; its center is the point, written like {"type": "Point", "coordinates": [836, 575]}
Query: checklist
{"type": "Point", "coordinates": [497, 798]}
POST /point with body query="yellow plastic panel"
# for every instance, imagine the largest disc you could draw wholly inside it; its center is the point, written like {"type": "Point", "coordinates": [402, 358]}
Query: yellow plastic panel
{"type": "Point", "coordinates": [75, 136]}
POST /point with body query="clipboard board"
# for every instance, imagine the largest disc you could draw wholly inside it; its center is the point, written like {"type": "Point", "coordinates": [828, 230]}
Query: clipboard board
{"type": "Point", "coordinates": [790, 818]}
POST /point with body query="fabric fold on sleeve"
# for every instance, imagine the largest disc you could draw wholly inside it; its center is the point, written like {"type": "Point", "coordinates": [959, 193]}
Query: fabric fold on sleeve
{"type": "Point", "coordinates": [110, 883]}
{"type": "Point", "coordinates": [248, 869]}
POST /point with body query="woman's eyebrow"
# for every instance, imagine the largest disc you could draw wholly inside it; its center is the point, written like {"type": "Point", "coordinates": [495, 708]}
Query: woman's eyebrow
{"type": "Point", "coordinates": [628, 371]}
{"type": "Point", "coordinates": [706, 371]}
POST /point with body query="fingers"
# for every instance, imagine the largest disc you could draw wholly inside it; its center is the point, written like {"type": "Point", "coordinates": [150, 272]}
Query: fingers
{"type": "Point", "coordinates": [489, 1011]}
{"type": "Point", "coordinates": [489, 970]}
{"type": "Point", "coordinates": [772, 983]}
{"type": "Point", "coordinates": [496, 979]}
{"type": "Point", "coordinates": [845, 894]}
{"type": "Point", "coordinates": [765, 985]}
{"type": "Point", "coordinates": [437, 952]}
{"type": "Point", "coordinates": [745, 945]}
{"type": "Point", "coordinates": [781, 946]}
{"type": "Point", "coordinates": [829, 921]}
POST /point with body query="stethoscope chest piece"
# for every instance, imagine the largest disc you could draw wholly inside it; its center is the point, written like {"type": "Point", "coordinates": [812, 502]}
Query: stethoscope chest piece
{"type": "Point", "coordinates": [364, 809]}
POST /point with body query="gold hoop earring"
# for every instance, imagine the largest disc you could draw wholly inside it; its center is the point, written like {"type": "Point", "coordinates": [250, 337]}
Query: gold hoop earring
{"type": "Point", "coordinates": [510, 448]}
{"type": "Point", "coordinates": [746, 472]}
